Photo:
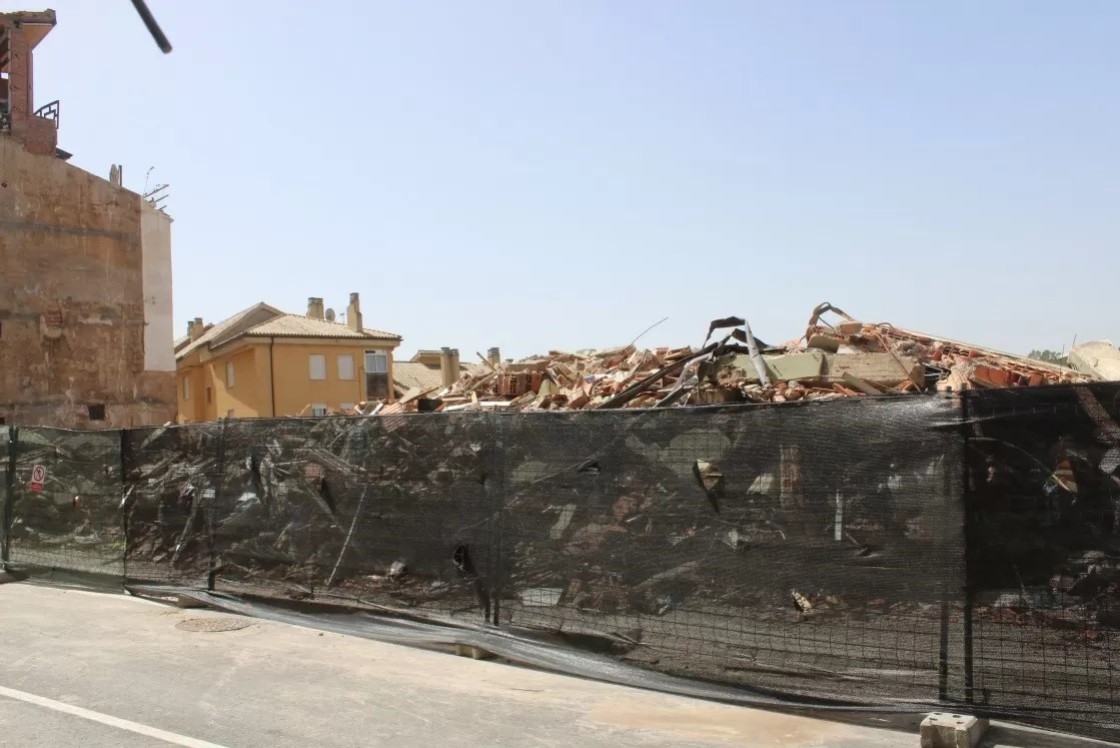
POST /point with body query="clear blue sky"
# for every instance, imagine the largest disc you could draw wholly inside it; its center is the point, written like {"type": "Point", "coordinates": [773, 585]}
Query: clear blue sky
{"type": "Point", "coordinates": [563, 174]}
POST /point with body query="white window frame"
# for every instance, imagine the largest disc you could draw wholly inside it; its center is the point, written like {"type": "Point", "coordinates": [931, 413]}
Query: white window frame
{"type": "Point", "coordinates": [380, 361]}
{"type": "Point", "coordinates": [346, 373]}
{"type": "Point", "coordinates": [321, 369]}
{"type": "Point", "coordinates": [377, 355]}
{"type": "Point", "coordinates": [231, 375]}
{"type": "Point", "coordinates": [318, 410]}
{"type": "Point", "coordinates": [187, 388]}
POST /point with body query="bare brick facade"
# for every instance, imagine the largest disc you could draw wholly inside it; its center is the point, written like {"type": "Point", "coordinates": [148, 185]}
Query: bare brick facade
{"type": "Point", "coordinates": [77, 291]}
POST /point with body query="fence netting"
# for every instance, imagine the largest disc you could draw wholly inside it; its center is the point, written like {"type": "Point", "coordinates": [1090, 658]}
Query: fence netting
{"type": "Point", "coordinates": [807, 549]}
{"type": "Point", "coordinates": [391, 512]}
{"type": "Point", "coordinates": [171, 481]}
{"type": "Point", "coordinates": [1043, 552]}
{"type": "Point", "coordinates": [63, 498]}
{"type": "Point", "coordinates": [923, 551]}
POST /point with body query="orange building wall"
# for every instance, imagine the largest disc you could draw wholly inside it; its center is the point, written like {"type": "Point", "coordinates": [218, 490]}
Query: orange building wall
{"type": "Point", "coordinates": [270, 371]}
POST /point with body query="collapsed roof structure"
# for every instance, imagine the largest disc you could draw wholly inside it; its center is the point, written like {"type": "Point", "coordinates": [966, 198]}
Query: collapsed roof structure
{"type": "Point", "coordinates": [838, 356]}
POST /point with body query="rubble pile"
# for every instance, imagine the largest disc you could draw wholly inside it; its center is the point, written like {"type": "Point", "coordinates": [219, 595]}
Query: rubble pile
{"type": "Point", "coordinates": [572, 380]}
{"type": "Point", "coordinates": [846, 358]}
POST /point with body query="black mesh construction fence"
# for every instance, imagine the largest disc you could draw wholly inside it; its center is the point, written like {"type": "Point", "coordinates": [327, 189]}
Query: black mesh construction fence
{"type": "Point", "coordinates": [393, 512]}
{"type": "Point", "coordinates": [937, 551]}
{"type": "Point", "coordinates": [171, 482]}
{"type": "Point", "coordinates": [63, 493]}
{"type": "Point", "coordinates": [809, 550]}
{"type": "Point", "coordinates": [1043, 552]}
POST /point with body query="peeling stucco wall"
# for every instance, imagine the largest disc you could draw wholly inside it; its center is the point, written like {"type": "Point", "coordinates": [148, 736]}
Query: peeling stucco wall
{"type": "Point", "coordinates": [155, 241]}
{"type": "Point", "coordinates": [75, 299]}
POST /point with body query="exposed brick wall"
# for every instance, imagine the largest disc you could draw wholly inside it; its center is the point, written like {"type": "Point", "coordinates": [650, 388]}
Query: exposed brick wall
{"type": "Point", "coordinates": [41, 136]}
{"type": "Point", "coordinates": [71, 298]}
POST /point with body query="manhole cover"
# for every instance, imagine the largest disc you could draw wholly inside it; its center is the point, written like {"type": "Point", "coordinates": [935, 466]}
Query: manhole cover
{"type": "Point", "coordinates": [211, 625]}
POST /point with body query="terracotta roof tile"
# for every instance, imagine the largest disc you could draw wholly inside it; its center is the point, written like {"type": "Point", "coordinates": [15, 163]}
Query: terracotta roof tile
{"type": "Point", "coordinates": [305, 327]}
{"type": "Point", "coordinates": [231, 327]}
{"type": "Point", "coordinates": [265, 320]}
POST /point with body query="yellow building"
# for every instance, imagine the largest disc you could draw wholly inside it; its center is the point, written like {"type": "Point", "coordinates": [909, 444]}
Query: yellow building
{"type": "Point", "coordinates": [263, 362]}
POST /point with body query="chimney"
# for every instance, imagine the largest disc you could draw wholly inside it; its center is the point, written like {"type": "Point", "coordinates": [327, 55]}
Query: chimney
{"type": "Point", "coordinates": [195, 328]}
{"type": "Point", "coordinates": [494, 356]}
{"type": "Point", "coordinates": [449, 365]}
{"type": "Point", "coordinates": [354, 314]}
{"type": "Point", "coordinates": [314, 307]}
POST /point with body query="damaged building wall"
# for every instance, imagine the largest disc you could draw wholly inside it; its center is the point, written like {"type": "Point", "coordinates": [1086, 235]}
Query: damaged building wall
{"type": "Point", "coordinates": [155, 242]}
{"type": "Point", "coordinates": [77, 298]}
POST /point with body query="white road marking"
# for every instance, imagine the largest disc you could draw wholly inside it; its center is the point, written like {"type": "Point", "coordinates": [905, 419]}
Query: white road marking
{"type": "Point", "coordinates": [106, 719]}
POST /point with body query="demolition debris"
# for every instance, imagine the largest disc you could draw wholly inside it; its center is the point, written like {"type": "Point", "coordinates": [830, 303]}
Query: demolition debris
{"type": "Point", "coordinates": [842, 358]}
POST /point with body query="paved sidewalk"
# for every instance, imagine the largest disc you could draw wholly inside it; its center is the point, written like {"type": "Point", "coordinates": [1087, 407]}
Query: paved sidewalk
{"type": "Point", "coordinates": [271, 684]}
{"type": "Point", "coordinates": [81, 668]}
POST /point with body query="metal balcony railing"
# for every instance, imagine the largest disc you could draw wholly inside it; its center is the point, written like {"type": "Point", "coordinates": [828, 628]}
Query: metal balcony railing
{"type": "Point", "coordinates": [49, 111]}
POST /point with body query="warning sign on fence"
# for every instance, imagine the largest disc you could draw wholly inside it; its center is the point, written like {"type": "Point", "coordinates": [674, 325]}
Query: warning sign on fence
{"type": "Point", "coordinates": [38, 478]}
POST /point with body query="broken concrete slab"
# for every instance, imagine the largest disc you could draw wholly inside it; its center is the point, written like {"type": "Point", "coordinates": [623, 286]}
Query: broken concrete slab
{"type": "Point", "coordinates": [1099, 359]}
{"type": "Point", "coordinates": [882, 369]}
{"type": "Point", "coordinates": [859, 384]}
{"type": "Point", "coordinates": [827, 343]}
{"type": "Point", "coordinates": [796, 366]}
{"type": "Point", "coordinates": [783, 368]}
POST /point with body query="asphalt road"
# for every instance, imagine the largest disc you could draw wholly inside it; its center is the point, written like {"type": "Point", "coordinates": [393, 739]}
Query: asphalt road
{"type": "Point", "coordinates": [81, 668]}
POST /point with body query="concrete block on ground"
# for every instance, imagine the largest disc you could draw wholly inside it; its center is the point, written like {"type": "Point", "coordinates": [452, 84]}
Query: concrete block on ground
{"type": "Point", "coordinates": [952, 730]}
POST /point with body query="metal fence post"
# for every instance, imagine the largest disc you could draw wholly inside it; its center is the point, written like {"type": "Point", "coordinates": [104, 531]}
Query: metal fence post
{"type": "Point", "coordinates": [124, 508]}
{"type": "Point", "coordinates": [220, 460]}
{"type": "Point", "coordinates": [969, 545]}
{"type": "Point", "coordinates": [9, 499]}
{"type": "Point", "coordinates": [496, 493]}
{"type": "Point", "coordinates": [951, 494]}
